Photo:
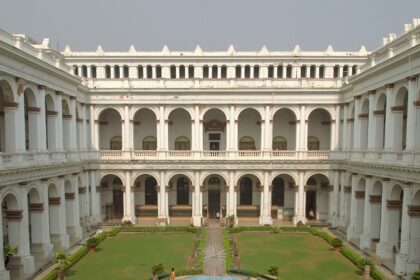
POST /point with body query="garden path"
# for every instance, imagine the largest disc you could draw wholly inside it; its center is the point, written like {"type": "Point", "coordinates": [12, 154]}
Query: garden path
{"type": "Point", "coordinates": [214, 258]}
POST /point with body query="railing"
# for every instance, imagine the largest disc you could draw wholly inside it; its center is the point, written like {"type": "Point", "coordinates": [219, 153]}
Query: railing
{"type": "Point", "coordinates": [214, 154]}
{"type": "Point", "coordinates": [284, 154]}
{"type": "Point", "coordinates": [318, 154]}
{"type": "Point", "coordinates": [249, 154]}
{"type": "Point", "coordinates": [180, 154]}
{"type": "Point", "coordinates": [144, 154]}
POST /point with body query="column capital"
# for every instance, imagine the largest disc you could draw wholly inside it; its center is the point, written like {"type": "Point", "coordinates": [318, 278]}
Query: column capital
{"type": "Point", "coordinates": [42, 87]}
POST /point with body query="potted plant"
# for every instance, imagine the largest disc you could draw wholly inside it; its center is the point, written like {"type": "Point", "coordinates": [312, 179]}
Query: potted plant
{"type": "Point", "coordinates": [231, 219]}
{"type": "Point", "coordinates": [92, 243]}
{"type": "Point", "coordinates": [9, 251]}
{"type": "Point", "coordinates": [61, 258]}
{"type": "Point", "coordinates": [337, 243]}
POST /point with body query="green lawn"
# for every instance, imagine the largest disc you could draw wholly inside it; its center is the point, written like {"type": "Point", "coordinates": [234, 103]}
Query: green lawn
{"type": "Point", "coordinates": [298, 256]}
{"type": "Point", "coordinates": [132, 255]}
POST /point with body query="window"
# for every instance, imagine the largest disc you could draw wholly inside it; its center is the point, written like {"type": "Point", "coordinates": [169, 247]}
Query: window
{"type": "Point", "coordinates": [312, 71]}
{"type": "Point", "coordinates": [125, 71]}
{"type": "Point", "coordinates": [93, 71]}
{"type": "Point", "coordinates": [247, 71]}
{"type": "Point", "coordinates": [224, 72]}
{"type": "Point", "coordinates": [140, 73]}
{"type": "Point", "coordinates": [107, 71]}
{"type": "Point", "coordinates": [191, 72]}
{"type": "Point", "coordinates": [116, 143]}
{"type": "Point", "coordinates": [149, 71]}
{"type": "Point", "coordinates": [247, 143]}
{"type": "Point", "coordinates": [256, 71]}
{"type": "Point", "coordinates": [149, 143]}
{"type": "Point", "coordinates": [245, 190]}
{"type": "Point", "coordinates": [289, 71]}
{"type": "Point", "coordinates": [150, 192]}
{"type": "Point", "coordinates": [205, 71]}
{"type": "Point", "coordinates": [182, 71]}
{"type": "Point", "coordinates": [322, 71]}
{"type": "Point", "coordinates": [279, 143]}
{"type": "Point", "coordinates": [182, 143]}
{"type": "Point", "coordinates": [84, 71]}
{"type": "Point", "coordinates": [336, 71]}
{"type": "Point", "coordinates": [313, 143]}
{"type": "Point", "coordinates": [116, 72]}
{"type": "Point", "coordinates": [158, 71]}
{"type": "Point", "coordinates": [354, 70]}
{"type": "Point", "coordinates": [173, 71]}
{"type": "Point", "coordinates": [271, 71]}
{"type": "Point", "coordinates": [215, 72]}
{"type": "Point", "coordinates": [345, 70]}
{"type": "Point", "coordinates": [280, 71]}
{"type": "Point", "coordinates": [214, 136]}
{"type": "Point", "coordinates": [303, 71]}
{"type": "Point", "coordinates": [76, 70]}
{"type": "Point", "coordinates": [238, 71]}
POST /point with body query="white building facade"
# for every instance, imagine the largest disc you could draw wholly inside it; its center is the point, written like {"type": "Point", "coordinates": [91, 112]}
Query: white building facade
{"type": "Point", "coordinates": [182, 137]}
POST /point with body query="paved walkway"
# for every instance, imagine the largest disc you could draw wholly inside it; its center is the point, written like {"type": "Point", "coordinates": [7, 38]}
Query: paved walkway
{"type": "Point", "coordinates": [214, 258]}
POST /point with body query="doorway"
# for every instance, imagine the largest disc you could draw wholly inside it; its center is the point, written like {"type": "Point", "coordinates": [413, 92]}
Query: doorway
{"type": "Point", "coordinates": [118, 203]}
{"type": "Point", "coordinates": [214, 203]}
{"type": "Point", "coordinates": [214, 140]}
{"type": "Point", "coordinates": [311, 205]}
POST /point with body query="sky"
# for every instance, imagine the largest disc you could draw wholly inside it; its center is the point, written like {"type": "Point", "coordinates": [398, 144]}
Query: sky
{"type": "Point", "coordinates": [212, 24]}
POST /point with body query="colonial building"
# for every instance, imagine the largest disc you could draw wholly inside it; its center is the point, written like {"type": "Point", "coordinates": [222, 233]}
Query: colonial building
{"type": "Point", "coordinates": [171, 137]}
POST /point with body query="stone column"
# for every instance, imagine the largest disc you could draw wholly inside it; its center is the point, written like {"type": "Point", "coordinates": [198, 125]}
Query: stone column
{"type": "Point", "coordinates": [266, 140]}
{"type": "Point", "coordinates": [72, 123]}
{"type": "Point", "coordinates": [74, 229]}
{"type": "Point", "coordinates": [232, 195]}
{"type": "Point", "coordinates": [83, 126]}
{"type": "Point", "coordinates": [126, 129]}
{"type": "Point", "coordinates": [59, 122]}
{"type": "Point", "coordinates": [389, 120]}
{"type": "Point", "coordinates": [128, 199]}
{"type": "Point", "coordinates": [334, 200]}
{"type": "Point", "coordinates": [58, 234]}
{"type": "Point", "coordinates": [371, 122]}
{"type": "Point", "coordinates": [94, 129]}
{"type": "Point", "coordinates": [265, 214]}
{"type": "Point", "coordinates": [41, 135]}
{"type": "Point", "coordinates": [95, 194]}
{"type": "Point", "coordinates": [351, 230]}
{"type": "Point", "coordinates": [162, 203]}
{"type": "Point", "coordinates": [366, 237]}
{"type": "Point", "coordinates": [196, 205]}
{"type": "Point", "coordinates": [300, 208]}
{"type": "Point", "coordinates": [345, 141]}
{"type": "Point", "coordinates": [357, 123]}
{"type": "Point", "coordinates": [383, 249]}
{"type": "Point", "coordinates": [411, 115]}
{"type": "Point", "coordinates": [335, 130]}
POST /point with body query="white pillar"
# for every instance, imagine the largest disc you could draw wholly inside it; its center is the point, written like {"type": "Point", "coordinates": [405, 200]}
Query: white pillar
{"type": "Point", "coordinates": [335, 130]}
{"type": "Point", "coordinates": [95, 202]}
{"type": "Point", "coordinates": [196, 205]}
{"type": "Point", "coordinates": [383, 249]}
{"type": "Point", "coordinates": [366, 237]}
{"type": "Point", "coordinates": [357, 123]}
{"type": "Point", "coordinates": [232, 194]}
{"type": "Point", "coordinates": [83, 127]}
{"type": "Point", "coordinates": [58, 232]}
{"type": "Point", "coordinates": [411, 115]}
{"type": "Point", "coordinates": [389, 120]}
{"type": "Point", "coordinates": [265, 214]}
{"type": "Point", "coordinates": [72, 123]}
{"type": "Point", "coordinates": [345, 142]}
{"type": "Point", "coordinates": [162, 203]}
{"type": "Point", "coordinates": [126, 129]}
{"type": "Point", "coordinates": [300, 208]}
{"type": "Point", "coordinates": [334, 200]}
{"type": "Point", "coordinates": [371, 122]}
{"type": "Point", "coordinates": [74, 229]}
{"type": "Point", "coordinates": [41, 141]}
{"type": "Point", "coordinates": [59, 122]}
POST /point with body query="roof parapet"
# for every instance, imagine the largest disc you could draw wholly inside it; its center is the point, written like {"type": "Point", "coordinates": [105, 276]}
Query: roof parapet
{"type": "Point", "coordinates": [231, 50]}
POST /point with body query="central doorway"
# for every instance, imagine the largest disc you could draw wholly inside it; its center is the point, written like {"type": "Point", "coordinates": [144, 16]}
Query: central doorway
{"type": "Point", "coordinates": [214, 203]}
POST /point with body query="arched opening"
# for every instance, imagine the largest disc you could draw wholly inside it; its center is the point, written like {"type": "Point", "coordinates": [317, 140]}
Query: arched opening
{"type": "Point", "coordinates": [110, 130]}
{"type": "Point", "coordinates": [66, 124]}
{"type": "Point", "coordinates": [394, 205]}
{"type": "Point", "coordinates": [182, 143]}
{"type": "Point", "coordinates": [313, 143]}
{"type": "Point", "coordinates": [317, 197]}
{"type": "Point", "coordinates": [179, 130]}
{"type": "Point", "coordinates": [249, 126]}
{"type": "Point", "coordinates": [247, 143]}
{"type": "Point", "coordinates": [380, 117]}
{"type": "Point", "coordinates": [283, 194]}
{"type": "Point", "coordinates": [359, 195]}
{"type": "Point", "coordinates": [319, 126]}
{"type": "Point", "coordinates": [112, 199]}
{"type": "Point", "coordinates": [214, 198]}
{"type": "Point", "coordinates": [6, 100]}
{"type": "Point", "coordinates": [375, 200]}
{"type": "Point", "coordinates": [146, 198]}
{"type": "Point", "coordinates": [35, 209]}
{"type": "Point", "coordinates": [400, 119]}
{"type": "Point", "coordinates": [364, 124]}
{"type": "Point", "coordinates": [50, 121]}
{"type": "Point", "coordinates": [249, 195]}
{"type": "Point", "coordinates": [31, 124]}
{"type": "Point", "coordinates": [144, 123]}
{"type": "Point", "coordinates": [179, 198]}
{"type": "Point", "coordinates": [284, 130]}
{"type": "Point", "coordinates": [214, 134]}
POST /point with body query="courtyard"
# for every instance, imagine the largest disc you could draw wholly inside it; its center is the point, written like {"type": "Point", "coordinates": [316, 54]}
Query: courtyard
{"type": "Point", "coordinates": [297, 256]}
{"type": "Point", "coordinates": [132, 255]}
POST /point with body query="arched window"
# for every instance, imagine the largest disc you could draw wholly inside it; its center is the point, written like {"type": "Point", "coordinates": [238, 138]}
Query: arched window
{"type": "Point", "coordinates": [182, 143]}
{"type": "Point", "coordinates": [149, 143]}
{"type": "Point", "coordinates": [277, 195]}
{"type": "Point", "coordinates": [247, 143]}
{"type": "Point", "coordinates": [313, 143]}
{"type": "Point", "coordinates": [150, 191]}
{"type": "Point", "coordinates": [245, 191]}
{"type": "Point", "coordinates": [247, 71]}
{"type": "Point", "coordinates": [279, 143]}
{"type": "Point", "coordinates": [215, 72]}
{"type": "Point", "coordinates": [116, 143]}
{"type": "Point", "coordinates": [108, 72]}
{"type": "Point", "coordinates": [182, 191]}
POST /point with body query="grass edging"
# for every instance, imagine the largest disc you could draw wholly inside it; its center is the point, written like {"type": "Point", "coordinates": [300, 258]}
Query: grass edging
{"type": "Point", "coordinates": [228, 250]}
{"type": "Point", "coordinates": [346, 251]}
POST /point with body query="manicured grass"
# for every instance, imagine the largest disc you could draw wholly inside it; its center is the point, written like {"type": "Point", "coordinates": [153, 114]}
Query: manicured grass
{"type": "Point", "coordinates": [132, 255]}
{"type": "Point", "coordinates": [298, 256]}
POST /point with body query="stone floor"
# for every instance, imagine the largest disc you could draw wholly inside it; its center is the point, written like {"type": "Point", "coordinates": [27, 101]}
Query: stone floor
{"type": "Point", "coordinates": [214, 258]}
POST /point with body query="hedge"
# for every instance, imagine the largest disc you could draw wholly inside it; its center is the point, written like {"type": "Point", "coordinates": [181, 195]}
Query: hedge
{"type": "Point", "coordinates": [254, 274]}
{"type": "Point", "coordinates": [158, 229]}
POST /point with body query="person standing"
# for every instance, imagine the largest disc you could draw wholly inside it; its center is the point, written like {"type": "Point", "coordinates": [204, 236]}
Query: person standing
{"type": "Point", "coordinates": [172, 274]}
